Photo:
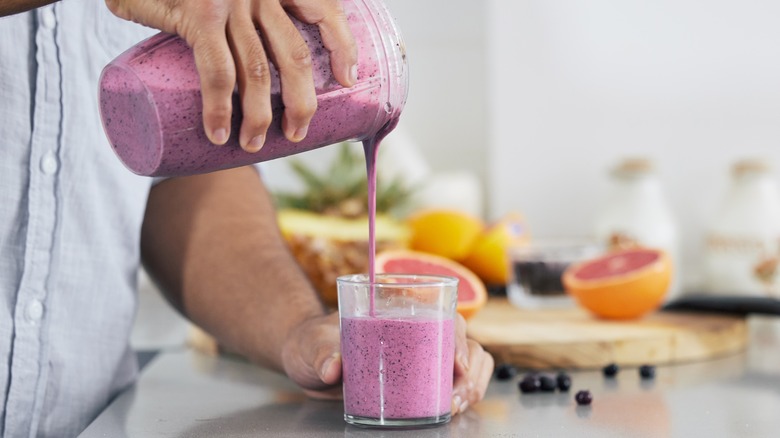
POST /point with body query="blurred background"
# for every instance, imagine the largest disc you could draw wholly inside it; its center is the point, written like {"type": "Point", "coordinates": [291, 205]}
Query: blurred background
{"type": "Point", "coordinates": [526, 106]}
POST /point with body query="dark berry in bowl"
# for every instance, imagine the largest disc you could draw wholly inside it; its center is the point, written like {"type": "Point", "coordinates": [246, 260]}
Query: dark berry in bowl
{"type": "Point", "coordinates": [529, 384]}
{"type": "Point", "coordinates": [610, 370]}
{"type": "Point", "coordinates": [505, 371]}
{"type": "Point", "coordinates": [564, 381]}
{"type": "Point", "coordinates": [647, 371]}
{"type": "Point", "coordinates": [583, 397]}
{"type": "Point", "coordinates": [547, 384]}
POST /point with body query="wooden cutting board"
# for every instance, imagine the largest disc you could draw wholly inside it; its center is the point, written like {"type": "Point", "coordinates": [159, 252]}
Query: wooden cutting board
{"type": "Point", "coordinates": [572, 338]}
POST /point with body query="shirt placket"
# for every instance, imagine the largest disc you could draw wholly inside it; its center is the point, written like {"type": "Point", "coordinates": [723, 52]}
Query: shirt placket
{"type": "Point", "coordinates": [28, 367]}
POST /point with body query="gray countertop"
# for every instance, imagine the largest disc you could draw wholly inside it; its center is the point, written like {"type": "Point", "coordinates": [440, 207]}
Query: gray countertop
{"type": "Point", "coordinates": [183, 393]}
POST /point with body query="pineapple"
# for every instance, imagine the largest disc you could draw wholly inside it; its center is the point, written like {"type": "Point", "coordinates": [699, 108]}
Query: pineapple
{"type": "Point", "coordinates": [326, 226]}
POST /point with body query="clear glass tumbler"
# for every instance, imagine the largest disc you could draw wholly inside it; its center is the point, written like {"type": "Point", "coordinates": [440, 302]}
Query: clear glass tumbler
{"type": "Point", "coordinates": [397, 354]}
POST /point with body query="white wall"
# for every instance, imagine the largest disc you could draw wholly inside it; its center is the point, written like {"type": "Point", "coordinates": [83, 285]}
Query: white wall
{"type": "Point", "coordinates": [575, 85]}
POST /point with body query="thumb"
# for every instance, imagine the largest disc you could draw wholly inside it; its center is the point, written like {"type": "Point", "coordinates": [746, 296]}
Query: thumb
{"type": "Point", "coordinates": [311, 356]}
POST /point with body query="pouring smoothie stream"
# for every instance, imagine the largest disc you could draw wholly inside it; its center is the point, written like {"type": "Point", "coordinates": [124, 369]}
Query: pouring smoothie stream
{"type": "Point", "coordinates": [151, 108]}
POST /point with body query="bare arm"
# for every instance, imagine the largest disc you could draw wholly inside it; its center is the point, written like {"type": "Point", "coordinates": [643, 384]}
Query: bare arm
{"type": "Point", "coordinates": [211, 242]}
{"type": "Point", "coordinates": [10, 7]}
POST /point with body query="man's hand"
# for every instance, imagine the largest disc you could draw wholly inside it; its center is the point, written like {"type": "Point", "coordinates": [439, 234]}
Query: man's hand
{"type": "Point", "coordinates": [311, 358]}
{"type": "Point", "coordinates": [228, 49]}
{"type": "Point", "coordinates": [473, 369]}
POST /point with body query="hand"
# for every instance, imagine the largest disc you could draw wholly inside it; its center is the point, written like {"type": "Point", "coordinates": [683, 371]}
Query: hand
{"type": "Point", "coordinates": [224, 37]}
{"type": "Point", "coordinates": [311, 359]}
{"type": "Point", "coordinates": [473, 369]}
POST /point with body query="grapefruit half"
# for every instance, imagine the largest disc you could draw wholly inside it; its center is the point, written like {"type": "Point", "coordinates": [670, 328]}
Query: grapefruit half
{"type": "Point", "coordinates": [472, 294]}
{"type": "Point", "coordinates": [623, 284]}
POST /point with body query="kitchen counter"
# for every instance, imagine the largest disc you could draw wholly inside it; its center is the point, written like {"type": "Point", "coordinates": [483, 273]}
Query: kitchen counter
{"type": "Point", "coordinates": [183, 393]}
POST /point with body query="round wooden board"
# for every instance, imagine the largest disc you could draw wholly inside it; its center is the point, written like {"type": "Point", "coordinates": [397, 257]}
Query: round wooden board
{"type": "Point", "coordinates": [572, 338]}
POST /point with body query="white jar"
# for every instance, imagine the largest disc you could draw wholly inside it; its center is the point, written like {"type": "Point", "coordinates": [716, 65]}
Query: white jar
{"type": "Point", "coordinates": [741, 244]}
{"type": "Point", "coordinates": [638, 213]}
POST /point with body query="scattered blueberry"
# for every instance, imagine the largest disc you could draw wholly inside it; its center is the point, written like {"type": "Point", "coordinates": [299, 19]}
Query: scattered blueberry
{"type": "Point", "coordinates": [529, 384]}
{"type": "Point", "coordinates": [647, 371]}
{"type": "Point", "coordinates": [564, 381]}
{"type": "Point", "coordinates": [505, 371]}
{"type": "Point", "coordinates": [547, 384]}
{"type": "Point", "coordinates": [610, 370]}
{"type": "Point", "coordinates": [583, 397]}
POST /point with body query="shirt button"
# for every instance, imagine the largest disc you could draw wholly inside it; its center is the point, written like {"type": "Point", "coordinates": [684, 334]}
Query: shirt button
{"type": "Point", "coordinates": [35, 310]}
{"type": "Point", "coordinates": [49, 163]}
{"type": "Point", "coordinates": [47, 18]}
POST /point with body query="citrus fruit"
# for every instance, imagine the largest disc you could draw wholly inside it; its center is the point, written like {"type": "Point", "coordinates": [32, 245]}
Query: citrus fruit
{"type": "Point", "coordinates": [488, 256]}
{"type": "Point", "coordinates": [472, 294]}
{"type": "Point", "coordinates": [623, 284]}
{"type": "Point", "coordinates": [448, 233]}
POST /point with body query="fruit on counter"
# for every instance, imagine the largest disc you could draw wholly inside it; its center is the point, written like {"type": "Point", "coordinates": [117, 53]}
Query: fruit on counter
{"type": "Point", "coordinates": [624, 284]}
{"type": "Point", "coordinates": [443, 232]}
{"type": "Point", "coordinates": [547, 383]}
{"type": "Point", "coordinates": [488, 257]}
{"type": "Point", "coordinates": [610, 370]}
{"type": "Point", "coordinates": [472, 294]}
{"type": "Point", "coordinates": [529, 384]}
{"type": "Point", "coordinates": [647, 371]}
{"type": "Point", "coordinates": [564, 381]}
{"type": "Point", "coordinates": [583, 397]}
{"type": "Point", "coordinates": [505, 371]}
{"type": "Point", "coordinates": [327, 247]}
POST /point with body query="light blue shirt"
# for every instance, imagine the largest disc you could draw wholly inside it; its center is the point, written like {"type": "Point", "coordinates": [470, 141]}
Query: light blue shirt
{"type": "Point", "coordinates": [69, 223]}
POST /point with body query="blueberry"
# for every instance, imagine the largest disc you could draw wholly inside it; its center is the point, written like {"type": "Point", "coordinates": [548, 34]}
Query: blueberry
{"type": "Point", "coordinates": [529, 384]}
{"type": "Point", "coordinates": [564, 381]}
{"type": "Point", "coordinates": [647, 371]}
{"type": "Point", "coordinates": [610, 370]}
{"type": "Point", "coordinates": [505, 371]}
{"type": "Point", "coordinates": [547, 384]}
{"type": "Point", "coordinates": [583, 397]}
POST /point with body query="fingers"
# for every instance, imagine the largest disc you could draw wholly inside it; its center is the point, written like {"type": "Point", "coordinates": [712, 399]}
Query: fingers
{"type": "Point", "coordinates": [470, 388]}
{"type": "Point", "coordinates": [217, 80]}
{"type": "Point", "coordinates": [336, 35]}
{"type": "Point", "coordinates": [461, 346]}
{"type": "Point", "coordinates": [292, 58]}
{"type": "Point", "coordinates": [254, 81]}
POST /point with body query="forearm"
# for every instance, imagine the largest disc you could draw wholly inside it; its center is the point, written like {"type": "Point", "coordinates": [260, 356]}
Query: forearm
{"type": "Point", "coordinates": [10, 7]}
{"type": "Point", "coordinates": [212, 244]}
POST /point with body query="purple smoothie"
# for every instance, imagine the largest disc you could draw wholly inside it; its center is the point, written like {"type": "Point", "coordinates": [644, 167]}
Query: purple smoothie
{"type": "Point", "coordinates": [151, 105]}
{"type": "Point", "coordinates": [397, 368]}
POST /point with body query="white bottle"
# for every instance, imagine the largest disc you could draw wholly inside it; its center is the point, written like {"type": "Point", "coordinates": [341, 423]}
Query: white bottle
{"type": "Point", "coordinates": [741, 244]}
{"type": "Point", "coordinates": [638, 213]}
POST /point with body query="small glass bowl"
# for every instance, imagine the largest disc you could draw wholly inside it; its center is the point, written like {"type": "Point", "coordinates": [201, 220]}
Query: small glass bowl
{"type": "Point", "coordinates": [536, 270]}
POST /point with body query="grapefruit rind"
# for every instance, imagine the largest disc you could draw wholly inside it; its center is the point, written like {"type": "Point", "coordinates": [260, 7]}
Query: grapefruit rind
{"type": "Point", "coordinates": [467, 307]}
{"type": "Point", "coordinates": [624, 296]}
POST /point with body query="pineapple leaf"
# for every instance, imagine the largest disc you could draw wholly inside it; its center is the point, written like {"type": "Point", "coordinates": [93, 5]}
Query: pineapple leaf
{"type": "Point", "coordinates": [309, 178]}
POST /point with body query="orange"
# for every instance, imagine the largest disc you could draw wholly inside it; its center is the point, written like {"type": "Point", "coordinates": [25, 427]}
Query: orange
{"type": "Point", "coordinates": [472, 294]}
{"type": "Point", "coordinates": [488, 257]}
{"type": "Point", "coordinates": [623, 284]}
{"type": "Point", "coordinates": [447, 233]}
